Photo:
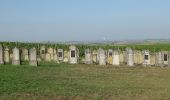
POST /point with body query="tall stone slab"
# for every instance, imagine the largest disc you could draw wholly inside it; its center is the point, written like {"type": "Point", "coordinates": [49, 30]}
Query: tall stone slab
{"type": "Point", "coordinates": [138, 57]}
{"type": "Point", "coordinates": [73, 54]}
{"type": "Point", "coordinates": [15, 56]}
{"type": "Point", "coordinates": [94, 54]}
{"type": "Point", "coordinates": [60, 55]}
{"type": "Point", "coordinates": [102, 57]}
{"type": "Point", "coordinates": [159, 61]}
{"type": "Point", "coordinates": [130, 58]}
{"type": "Point", "coordinates": [165, 56]}
{"type": "Point", "coordinates": [66, 56]}
{"type": "Point", "coordinates": [1, 55]}
{"type": "Point", "coordinates": [33, 57]}
{"type": "Point", "coordinates": [88, 56]}
{"type": "Point", "coordinates": [153, 58]}
{"type": "Point", "coordinates": [24, 55]}
{"type": "Point", "coordinates": [43, 52]}
{"type": "Point", "coordinates": [6, 55]}
{"type": "Point", "coordinates": [49, 55]}
{"type": "Point", "coordinates": [121, 57]}
{"type": "Point", "coordinates": [110, 57]}
{"type": "Point", "coordinates": [116, 58]}
{"type": "Point", "coordinates": [146, 56]}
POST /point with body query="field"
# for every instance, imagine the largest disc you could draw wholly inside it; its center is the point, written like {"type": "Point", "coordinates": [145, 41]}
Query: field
{"type": "Point", "coordinates": [84, 82]}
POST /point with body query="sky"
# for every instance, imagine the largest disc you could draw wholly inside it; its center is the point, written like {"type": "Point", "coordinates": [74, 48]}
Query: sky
{"type": "Point", "coordinates": [84, 20]}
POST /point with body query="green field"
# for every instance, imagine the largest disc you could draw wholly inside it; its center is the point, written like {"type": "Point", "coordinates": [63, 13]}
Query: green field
{"type": "Point", "coordinates": [84, 82]}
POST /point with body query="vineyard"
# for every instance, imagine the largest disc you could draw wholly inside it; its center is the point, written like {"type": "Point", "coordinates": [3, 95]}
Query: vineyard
{"type": "Point", "coordinates": [82, 47]}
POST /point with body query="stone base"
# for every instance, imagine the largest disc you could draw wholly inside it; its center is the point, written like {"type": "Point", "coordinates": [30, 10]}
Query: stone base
{"type": "Point", "coordinates": [88, 62]}
{"type": "Point", "coordinates": [33, 63]}
{"type": "Point", "coordinates": [15, 62]}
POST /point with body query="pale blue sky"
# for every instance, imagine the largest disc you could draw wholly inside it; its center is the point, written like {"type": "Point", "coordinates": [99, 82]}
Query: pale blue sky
{"type": "Point", "coordinates": [66, 20]}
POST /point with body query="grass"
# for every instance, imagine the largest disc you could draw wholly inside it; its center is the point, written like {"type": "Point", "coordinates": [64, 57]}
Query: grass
{"type": "Point", "coordinates": [84, 82]}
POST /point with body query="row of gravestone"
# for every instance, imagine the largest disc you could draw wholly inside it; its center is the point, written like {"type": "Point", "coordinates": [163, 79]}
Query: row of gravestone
{"type": "Point", "coordinates": [100, 56]}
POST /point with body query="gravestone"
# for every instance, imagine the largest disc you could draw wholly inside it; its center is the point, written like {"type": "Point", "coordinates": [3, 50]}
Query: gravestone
{"type": "Point", "coordinates": [159, 61]}
{"type": "Point", "coordinates": [24, 55]}
{"type": "Point", "coordinates": [138, 57]}
{"type": "Point", "coordinates": [1, 55]}
{"type": "Point", "coordinates": [60, 53]}
{"type": "Point", "coordinates": [94, 54]}
{"type": "Point", "coordinates": [121, 58]}
{"type": "Point", "coordinates": [110, 57]}
{"type": "Point", "coordinates": [165, 56]}
{"type": "Point", "coordinates": [130, 58]}
{"type": "Point", "coordinates": [73, 55]}
{"type": "Point", "coordinates": [6, 55]}
{"type": "Point", "coordinates": [146, 57]}
{"type": "Point", "coordinates": [152, 59]}
{"type": "Point", "coordinates": [102, 57]}
{"type": "Point", "coordinates": [42, 52]}
{"type": "Point", "coordinates": [125, 57]}
{"type": "Point", "coordinates": [33, 57]}
{"type": "Point", "coordinates": [15, 56]}
{"type": "Point", "coordinates": [116, 58]}
{"type": "Point", "coordinates": [50, 51]}
{"type": "Point", "coordinates": [88, 56]}
{"type": "Point", "coordinates": [66, 56]}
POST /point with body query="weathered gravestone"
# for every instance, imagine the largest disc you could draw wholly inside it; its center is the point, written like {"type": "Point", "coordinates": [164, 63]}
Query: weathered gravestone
{"type": "Point", "coordinates": [73, 55]}
{"type": "Point", "coordinates": [94, 54]}
{"type": "Point", "coordinates": [66, 56]}
{"type": "Point", "coordinates": [162, 58]}
{"type": "Point", "coordinates": [88, 56]}
{"type": "Point", "coordinates": [6, 55]}
{"type": "Point", "coordinates": [159, 61]}
{"type": "Point", "coordinates": [33, 57]}
{"type": "Point", "coordinates": [116, 58]}
{"type": "Point", "coordinates": [42, 52]}
{"type": "Point", "coordinates": [49, 55]}
{"type": "Point", "coordinates": [146, 56]}
{"type": "Point", "coordinates": [138, 57]}
{"type": "Point", "coordinates": [165, 56]}
{"type": "Point", "coordinates": [102, 57]}
{"type": "Point", "coordinates": [15, 56]}
{"type": "Point", "coordinates": [1, 55]}
{"type": "Point", "coordinates": [130, 58]}
{"type": "Point", "coordinates": [55, 56]}
{"type": "Point", "coordinates": [24, 55]}
{"type": "Point", "coordinates": [110, 57]}
{"type": "Point", "coordinates": [121, 58]}
{"type": "Point", "coordinates": [152, 59]}
{"type": "Point", "coordinates": [60, 54]}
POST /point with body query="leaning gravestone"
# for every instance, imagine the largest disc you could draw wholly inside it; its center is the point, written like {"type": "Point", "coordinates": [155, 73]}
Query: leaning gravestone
{"type": "Point", "coordinates": [73, 55]}
{"type": "Point", "coordinates": [102, 57]}
{"type": "Point", "coordinates": [1, 55]}
{"type": "Point", "coordinates": [88, 56]}
{"type": "Point", "coordinates": [116, 58]}
{"type": "Point", "coordinates": [130, 58]}
{"type": "Point", "coordinates": [33, 57]}
{"type": "Point", "coordinates": [15, 56]}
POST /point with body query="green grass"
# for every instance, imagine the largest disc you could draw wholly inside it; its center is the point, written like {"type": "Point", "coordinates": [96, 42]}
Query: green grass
{"type": "Point", "coordinates": [83, 82]}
